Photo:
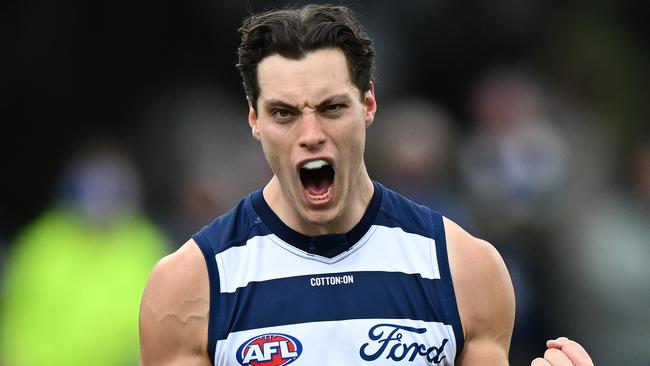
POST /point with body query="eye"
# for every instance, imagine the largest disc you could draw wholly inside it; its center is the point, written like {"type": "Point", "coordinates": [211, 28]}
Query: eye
{"type": "Point", "coordinates": [281, 115]}
{"type": "Point", "coordinates": [333, 108]}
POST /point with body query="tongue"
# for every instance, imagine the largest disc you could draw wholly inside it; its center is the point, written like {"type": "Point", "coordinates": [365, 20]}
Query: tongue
{"type": "Point", "coordinates": [317, 187]}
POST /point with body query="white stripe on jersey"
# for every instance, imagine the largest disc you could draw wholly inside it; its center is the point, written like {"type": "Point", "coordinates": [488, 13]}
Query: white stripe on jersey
{"type": "Point", "coordinates": [321, 342]}
{"type": "Point", "coordinates": [391, 250]}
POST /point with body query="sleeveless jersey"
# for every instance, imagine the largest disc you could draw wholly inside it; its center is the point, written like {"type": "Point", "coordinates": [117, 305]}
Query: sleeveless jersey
{"type": "Point", "coordinates": [380, 294]}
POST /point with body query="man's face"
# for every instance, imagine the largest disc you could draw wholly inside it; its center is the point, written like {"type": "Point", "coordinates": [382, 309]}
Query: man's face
{"type": "Point", "coordinates": [311, 121]}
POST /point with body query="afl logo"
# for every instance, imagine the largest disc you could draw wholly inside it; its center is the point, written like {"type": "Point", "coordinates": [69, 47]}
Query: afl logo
{"type": "Point", "coordinates": [272, 349]}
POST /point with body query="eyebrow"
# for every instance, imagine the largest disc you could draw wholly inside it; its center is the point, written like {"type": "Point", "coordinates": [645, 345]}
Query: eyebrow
{"type": "Point", "coordinates": [276, 103]}
{"type": "Point", "coordinates": [339, 98]}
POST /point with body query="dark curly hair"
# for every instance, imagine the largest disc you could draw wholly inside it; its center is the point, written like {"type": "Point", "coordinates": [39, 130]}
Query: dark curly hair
{"type": "Point", "coordinates": [294, 32]}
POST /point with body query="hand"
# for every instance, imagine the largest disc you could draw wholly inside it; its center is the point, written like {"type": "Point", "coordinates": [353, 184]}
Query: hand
{"type": "Point", "coordinates": [563, 352]}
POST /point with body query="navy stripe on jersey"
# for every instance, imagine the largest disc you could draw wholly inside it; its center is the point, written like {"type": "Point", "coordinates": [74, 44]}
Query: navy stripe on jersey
{"type": "Point", "coordinates": [235, 227]}
{"type": "Point", "coordinates": [293, 300]}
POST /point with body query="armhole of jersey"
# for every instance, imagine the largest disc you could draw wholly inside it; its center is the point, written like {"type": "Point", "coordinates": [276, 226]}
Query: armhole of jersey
{"type": "Point", "coordinates": [449, 296]}
{"type": "Point", "coordinates": [213, 276]}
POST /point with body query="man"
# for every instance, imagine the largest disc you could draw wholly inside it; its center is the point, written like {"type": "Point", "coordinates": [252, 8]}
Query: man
{"type": "Point", "coordinates": [324, 266]}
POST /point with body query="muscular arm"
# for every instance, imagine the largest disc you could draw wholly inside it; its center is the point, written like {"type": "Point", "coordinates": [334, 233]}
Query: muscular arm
{"type": "Point", "coordinates": [174, 311]}
{"type": "Point", "coordinates": [485, 297]}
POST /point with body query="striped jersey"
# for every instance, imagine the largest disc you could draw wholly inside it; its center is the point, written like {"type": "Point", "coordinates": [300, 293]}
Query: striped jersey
{"type": "Point", "coordinates": [380, 294]}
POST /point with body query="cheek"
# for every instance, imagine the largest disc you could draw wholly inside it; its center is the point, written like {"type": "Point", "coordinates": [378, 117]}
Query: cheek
{"type": "Point", "coordinates": [354, 144]}
{"type": "Point", "coordinates": [358, 138]}
{"type": "Point", "coordinates": [274, 150]}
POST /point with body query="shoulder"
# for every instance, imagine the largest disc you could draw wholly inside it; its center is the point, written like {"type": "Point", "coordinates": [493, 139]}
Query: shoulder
{"type": "Point", "coordinates": [180, 273]}
{"type": "Point", "coordinates": [175, 309]}
{"type": "Point", "coordinates": [483, 288]}
{"type": "Point", "coordinates": [397, 210]}
{"type": "Point", "coordinates": [233, 227]}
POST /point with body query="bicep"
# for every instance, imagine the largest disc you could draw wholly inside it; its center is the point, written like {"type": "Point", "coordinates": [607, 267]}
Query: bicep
{"type": "Point", "coordinates": [483, 351]}
{"type": "Point", "coordinates": [489, 311]}
{"type": "Point", "coordinates": [174, 314]}
{"type": "Point", "coordinates": [166, 340]}
{"type": "Point", "coordinates": [485, 299]}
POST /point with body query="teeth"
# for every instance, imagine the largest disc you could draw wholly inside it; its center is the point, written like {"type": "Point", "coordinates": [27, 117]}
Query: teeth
{"type": "Point", "coordinates": [323, 196]}
{"type": "Point", "coordinates": [315, 164]}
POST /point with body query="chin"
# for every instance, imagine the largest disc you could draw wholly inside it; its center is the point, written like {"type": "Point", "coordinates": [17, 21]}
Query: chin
{"type": "Point", "coordinates": [321, 218]}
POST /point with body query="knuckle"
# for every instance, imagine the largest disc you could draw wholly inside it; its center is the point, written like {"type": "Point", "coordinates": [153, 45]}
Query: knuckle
{"type": "Point", "coordinates": [552, 353]}
{"type": "Point", "coordinates": [573, 344]}
{"type": "Point", "coordinates": [537, 362]}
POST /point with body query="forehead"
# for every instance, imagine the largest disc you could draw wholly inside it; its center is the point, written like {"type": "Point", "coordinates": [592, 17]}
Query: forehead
{"type": "Point", "coordinates": [303, 81]}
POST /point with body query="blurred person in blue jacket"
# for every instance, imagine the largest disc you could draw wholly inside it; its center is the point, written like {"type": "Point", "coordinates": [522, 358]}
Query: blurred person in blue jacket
{"type": "Point", "coordinates": [516, 165]}
{"type": "Point", "coordinates": [75, 274]}
{"type": "Point", "coordinates": [516, 160]}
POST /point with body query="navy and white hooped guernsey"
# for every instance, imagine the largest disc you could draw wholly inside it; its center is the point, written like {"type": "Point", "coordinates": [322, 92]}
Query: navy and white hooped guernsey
{"type": "Point", "coordinates": [380, 294]}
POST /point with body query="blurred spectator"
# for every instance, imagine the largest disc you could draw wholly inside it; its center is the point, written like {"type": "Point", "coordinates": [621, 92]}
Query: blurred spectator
{"type": "Point", "coordinates": [212, 162]}
{"type": "Point", "coordinates": [515, 163]}
{"type": "Point", "coordinates": [414, 147]}
{"type": "Point", "coordinates": [607, 277]}
{"type": "Point", "coordinates": [77, 272]}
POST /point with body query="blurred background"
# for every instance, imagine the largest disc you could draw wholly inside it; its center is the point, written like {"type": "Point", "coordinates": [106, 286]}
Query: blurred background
{"type": "Point", "coordinates": [124, 131]}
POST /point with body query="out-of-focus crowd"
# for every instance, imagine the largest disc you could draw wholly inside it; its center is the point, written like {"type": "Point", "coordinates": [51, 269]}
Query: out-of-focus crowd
{"type": "Point", "coordinates": [543, 162]}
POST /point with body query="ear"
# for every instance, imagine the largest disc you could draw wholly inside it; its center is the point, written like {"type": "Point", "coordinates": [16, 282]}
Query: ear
{"type": "Point", "coordinates": [252, 121]}
{"type": "Point", "coordinates": [370, 104]}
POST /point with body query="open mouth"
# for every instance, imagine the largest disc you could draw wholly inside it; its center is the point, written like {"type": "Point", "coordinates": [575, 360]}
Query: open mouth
{"type": "Point", "coordinates": [317, 177]}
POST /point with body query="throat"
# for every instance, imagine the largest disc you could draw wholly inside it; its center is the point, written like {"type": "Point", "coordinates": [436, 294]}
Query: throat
{"type": "Point", "coordinates": [317, 181]}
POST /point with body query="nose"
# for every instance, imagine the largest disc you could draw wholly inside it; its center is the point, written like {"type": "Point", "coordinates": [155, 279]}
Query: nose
{"type": "Point", "coordinates": [312, 135]}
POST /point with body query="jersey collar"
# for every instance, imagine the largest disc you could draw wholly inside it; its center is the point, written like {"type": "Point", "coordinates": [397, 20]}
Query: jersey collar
{"type": "Point", "coordinates": [328, 245]}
